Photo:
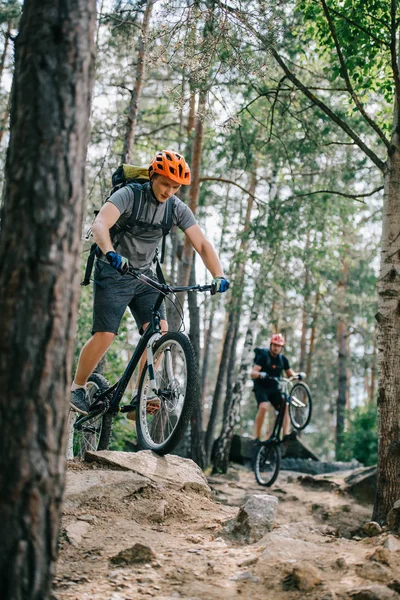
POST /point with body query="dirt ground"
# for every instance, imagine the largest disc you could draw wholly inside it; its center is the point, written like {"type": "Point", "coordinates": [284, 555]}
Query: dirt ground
{"type": "Point", "coordinates": [317, 548]}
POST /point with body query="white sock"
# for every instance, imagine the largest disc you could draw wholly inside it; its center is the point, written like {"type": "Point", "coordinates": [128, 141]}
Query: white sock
{"type": "Point", "coordinates": [76, 386]}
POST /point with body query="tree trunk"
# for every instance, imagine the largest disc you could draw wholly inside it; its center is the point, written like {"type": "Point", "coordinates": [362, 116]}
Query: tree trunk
{"type": "Point", "coordinates": [229, 350]}
{"type": "Point", "coordinates": [313, 334]}
{"type": "Point", "coordinates": [231, 414]}
{"type": "Point", "coordinates": [137, 91]}
{"type": "Point", "coordinates": [5, 48]}
{"type": "Point", "coordinates": [343, 358]}
{"type": "Point", "coordinates": [388, 318]}
{"type": "Point", "coordinates": [186, 258]}
{"type": "Point", "coordinates": [372, 386]}
{"type": "Point", "coordinates": [306, 296]}
{"type": "Point", "coordinates": [197, 437]}
{"type": "Point", "coordinates": [39, 254]}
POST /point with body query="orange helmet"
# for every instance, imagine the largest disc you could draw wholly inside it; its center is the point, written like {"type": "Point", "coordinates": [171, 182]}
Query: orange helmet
{"type": "Point", "coordinates": [171, 165]}
{"type": "Point", "coordinates": [278, 339]}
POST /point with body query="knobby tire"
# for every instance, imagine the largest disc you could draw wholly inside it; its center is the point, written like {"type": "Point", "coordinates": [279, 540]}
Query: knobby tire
{"type": "Point", "coordinates": [176, 404]}
{"type": "Point", "coordinates": [267, 464]}
{"type": "Point", "coordinates": [101, 424]}
{"type": "Point", "coordinates": [305, 413]}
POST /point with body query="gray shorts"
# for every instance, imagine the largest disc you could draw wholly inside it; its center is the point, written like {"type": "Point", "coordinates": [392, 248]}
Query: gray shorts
{"type": "Point", "coordinates": [113, 293]}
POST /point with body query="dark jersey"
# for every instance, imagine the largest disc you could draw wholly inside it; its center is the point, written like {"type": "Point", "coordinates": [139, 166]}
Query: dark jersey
{"type": "Point", "coordinates": [273, 366]}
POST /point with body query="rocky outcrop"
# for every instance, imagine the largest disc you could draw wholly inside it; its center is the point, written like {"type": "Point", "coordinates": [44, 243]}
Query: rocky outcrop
{"type": "Point", "coordinates": [169, 470]}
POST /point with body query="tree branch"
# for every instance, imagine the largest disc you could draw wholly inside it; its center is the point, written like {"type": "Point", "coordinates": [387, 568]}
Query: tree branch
{"type": "Point", "coordinates": [346, 76]}
{"type": "Point", "coordinates": [336, 193]}
{"type": "Point", "coordinates": [231, 182]}
{"type": "Point", "coordinates": [316, 101]}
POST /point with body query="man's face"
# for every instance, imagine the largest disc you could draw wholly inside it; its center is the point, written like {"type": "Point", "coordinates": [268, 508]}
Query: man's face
{"type": "Point", "coordinates": [275, 349]}
{"type": "Point", "coordinates": [164, 188]}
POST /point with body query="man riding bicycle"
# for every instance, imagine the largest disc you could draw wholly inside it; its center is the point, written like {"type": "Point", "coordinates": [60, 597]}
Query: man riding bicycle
{"type": "Point", "coordinates": [270, 362]}
{"type": "Point", "coordinates": [113, 292]}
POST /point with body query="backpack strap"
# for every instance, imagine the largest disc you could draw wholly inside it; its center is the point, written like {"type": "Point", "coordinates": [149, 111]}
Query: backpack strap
{"type": "Point", "coordinates": [89, 264]}
{"type": "Point", "coordinates": [166, 225]}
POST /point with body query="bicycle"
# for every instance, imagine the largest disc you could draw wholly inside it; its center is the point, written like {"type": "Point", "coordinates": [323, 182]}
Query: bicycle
{"type": "Point", "coordinates": [268, 458]}
{"type": "Point", "coordinates": [166, 393]}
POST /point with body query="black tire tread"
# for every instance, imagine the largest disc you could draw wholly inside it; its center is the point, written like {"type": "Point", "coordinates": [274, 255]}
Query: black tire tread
{"type": "Point", "coordinates": [106, 429]}
{"type": "Point", "coordinates": [272, 480]}
{"type": "Point", "coordinates": [305, 386]}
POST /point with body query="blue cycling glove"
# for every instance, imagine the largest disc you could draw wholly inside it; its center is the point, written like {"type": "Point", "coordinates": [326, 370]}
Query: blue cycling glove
{"type": "Point", "coordinates": [219, 284]}
{"type": "Point", "coordinates": [118, 262]}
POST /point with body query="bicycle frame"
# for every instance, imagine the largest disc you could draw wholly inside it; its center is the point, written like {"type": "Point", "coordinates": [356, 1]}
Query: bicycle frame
{"type": "Point", "coordinates": [283, 385]}
{"type": "Point", "coordinates": [147, 339]}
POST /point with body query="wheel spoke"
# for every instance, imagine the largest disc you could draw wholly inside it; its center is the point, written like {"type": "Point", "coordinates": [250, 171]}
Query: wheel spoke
{"type": "Point", "coordinates": [162, 428]}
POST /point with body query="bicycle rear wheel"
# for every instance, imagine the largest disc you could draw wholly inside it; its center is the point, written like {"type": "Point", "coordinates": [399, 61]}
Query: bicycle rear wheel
{"type": "Point", "coordinates": [162, 416]}
{"type": "Point", "coordinates": [93, 432]}
{"type": "Point", "coordinates": [267, 463]}
{"type": "Point", "coordinates": [300, 406]}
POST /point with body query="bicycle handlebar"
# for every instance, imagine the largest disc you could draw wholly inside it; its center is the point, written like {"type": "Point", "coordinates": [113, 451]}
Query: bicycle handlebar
{"type": "Point", "coordinates": [163, 287]}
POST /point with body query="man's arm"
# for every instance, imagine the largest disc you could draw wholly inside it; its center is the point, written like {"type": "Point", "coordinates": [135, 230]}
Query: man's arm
{"type": "Point", "coordinates": [206, 250]}
{"type": "Point", "coordinates": [290, 373]}
{"type": "Point", "coordinates": [107, 217]}
{"type": "Point", "coordinates": [255, 373]}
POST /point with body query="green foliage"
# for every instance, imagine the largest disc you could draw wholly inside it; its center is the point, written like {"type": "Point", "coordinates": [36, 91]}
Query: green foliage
{"type": "Point", "coordinates": [360, 441]}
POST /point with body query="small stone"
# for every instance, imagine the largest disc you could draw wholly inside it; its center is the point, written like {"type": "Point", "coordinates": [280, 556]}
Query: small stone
{"type": "Point", "coordinates": [304, 578]}
{"type": "Point", "coordinates": [87, 518]}
{"type": "Point", "coordinates": [380, 555]}
{"type": "Point", "coordinates": [195, 539]}
{"type": "Point", "coordinates": [392, 544]}
{"type": "Point", "coordinates": [372, 528]}
{"type": "Point", "coordinates": [75, 532]}
{"type": "Point", "coordinates": [247, 562]}
{"type": "Point", "coordinates": [373, 592]}
{"type": "Point", "coordinates": [340, 564]}
{"type": "Point", "coordinates": [139, 553]}
{"type": "Point", "coordinates": [245, 576]}
{"type": "Point", "coordinates": [256, 517]}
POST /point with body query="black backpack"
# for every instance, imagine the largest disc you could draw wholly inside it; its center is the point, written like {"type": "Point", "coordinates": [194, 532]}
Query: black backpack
{"type": "Point", "coordinates": [130, 175]}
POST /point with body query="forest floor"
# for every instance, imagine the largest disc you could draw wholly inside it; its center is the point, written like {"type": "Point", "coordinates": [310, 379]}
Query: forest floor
{"type": "Point", "coordinates": [316, 549]}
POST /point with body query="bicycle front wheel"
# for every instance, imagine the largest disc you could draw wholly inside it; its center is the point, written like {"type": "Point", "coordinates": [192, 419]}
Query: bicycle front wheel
{"type": "Point", "coordinates": [163, 415]}
{"type": "Point", "coordinates": [267, 464]}
{"type": "Point", "coordinates": [300, 406]}
{"type": "Point", "coordinates": [93, 432]}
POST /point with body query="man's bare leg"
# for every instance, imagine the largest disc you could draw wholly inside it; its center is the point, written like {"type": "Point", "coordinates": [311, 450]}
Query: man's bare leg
{"type": "Point", "coordinates": [91, 354]}
{"type": "Point", "coordinates": [259, 422]}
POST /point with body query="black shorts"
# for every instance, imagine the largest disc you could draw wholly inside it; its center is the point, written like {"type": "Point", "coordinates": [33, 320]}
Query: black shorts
{"type": "Point", "coordinates": [113, 293]}
{"type": "Point", "coordinates": [264, 394]}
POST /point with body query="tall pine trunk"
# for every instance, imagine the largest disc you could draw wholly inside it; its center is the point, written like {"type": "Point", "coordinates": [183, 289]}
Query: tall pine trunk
{"type": "Point", "coordinates": [133, 111]}
{"type": "Point", "coordinates": [343, 359]}
{"type": "Point", "coordinates": [196, 423]}
{"type": "Point", "coordinates": [39, 254]}
{"type": "Point", "coordinates": [234, 310]}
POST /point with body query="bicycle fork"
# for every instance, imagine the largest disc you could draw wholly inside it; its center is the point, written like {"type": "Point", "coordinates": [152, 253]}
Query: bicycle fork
{"type": "Point", "coordinates": [150, 360]}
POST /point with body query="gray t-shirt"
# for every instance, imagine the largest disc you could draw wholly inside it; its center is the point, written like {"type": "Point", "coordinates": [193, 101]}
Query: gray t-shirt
{"type": "Point", "coordinates": [139, 246]}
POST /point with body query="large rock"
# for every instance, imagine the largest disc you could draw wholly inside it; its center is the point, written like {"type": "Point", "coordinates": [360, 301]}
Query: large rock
{"type": "Point", "coordinates": [256, 517]}
{"type": "Point", "coordinates": [101, 484]}
{"type": "Point", "coordinates": [362, 485]}
{"type": "Point", "coordinates": [181, 473]}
